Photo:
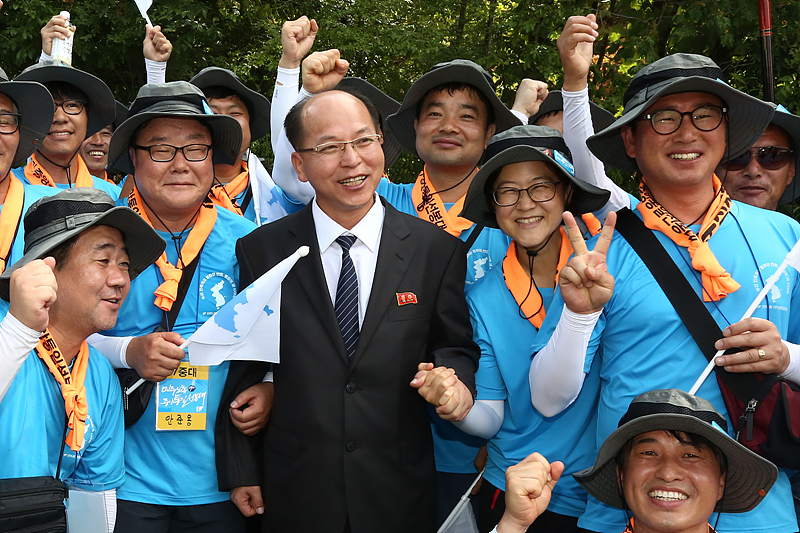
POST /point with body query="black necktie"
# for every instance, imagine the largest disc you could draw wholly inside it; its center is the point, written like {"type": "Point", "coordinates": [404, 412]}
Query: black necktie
{"type": "Point", "coordinates": [347, 297]}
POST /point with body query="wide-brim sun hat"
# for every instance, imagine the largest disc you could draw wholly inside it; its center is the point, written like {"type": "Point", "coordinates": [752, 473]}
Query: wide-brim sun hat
{"type": "Point", "coordinates": [53, 220]}
{"type": "Point", "coordinates": [457, 71]}
{"type": "Point", "coordinates": [258, 105]}
{"type": "Point", "coordinates": [748, 479]}
{"type": "Point", "coordinates": [748, 117]}
{"type": "Point", "coordinates": [35, 107]}
{"type": "Point", "coordinates": [386, 106]}
{"type": "Point", "coordinates": [101, 107]}
{"type": "Point", "coordinates": [120, 114]}
{"type": "Point", "coordinates": [176, 99]}
{"type": "Point", "coordinates": [528, 143]}
{"type": "Point", "coordinates": [789, 123]}
{"type": "Point", "coordinates": [601, 119]}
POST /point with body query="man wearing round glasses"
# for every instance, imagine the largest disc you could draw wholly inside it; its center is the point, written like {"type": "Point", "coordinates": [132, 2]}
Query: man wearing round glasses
{"type": "Point", "coordinates": [678, 123]}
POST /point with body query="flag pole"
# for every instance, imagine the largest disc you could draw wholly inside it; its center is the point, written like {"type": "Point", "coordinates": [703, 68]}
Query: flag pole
{"type": "Point", "coordinates": [792, 258]}
{"type": "Point", "coordinates": [765, 33]}
{"type": "Point", "coordinates": [136, 385]}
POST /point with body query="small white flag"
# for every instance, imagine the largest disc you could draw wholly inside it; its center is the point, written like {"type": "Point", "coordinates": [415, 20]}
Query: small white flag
{"type": "Point", "coordinates": [248, 326]}
{"type": "Point", "coordinates": [461, 519]}
{"type": "Point", "coordinates": [143, 6]}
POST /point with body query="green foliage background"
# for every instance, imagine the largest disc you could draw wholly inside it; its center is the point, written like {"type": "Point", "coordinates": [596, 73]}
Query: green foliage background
{"type": "Point", "coordinates": [392, 42]}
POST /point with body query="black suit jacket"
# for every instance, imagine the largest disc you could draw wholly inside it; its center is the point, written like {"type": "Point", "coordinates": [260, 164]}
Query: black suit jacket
{"type": "Point", "coordinates": [352, 438]}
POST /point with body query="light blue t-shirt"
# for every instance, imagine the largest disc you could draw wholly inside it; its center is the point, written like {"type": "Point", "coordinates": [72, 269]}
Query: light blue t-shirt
{"type": "Point", "coordinates": [453, 449]}
{"type": "Point", "coordinates": [113, 190]}
{"type": "Point", "coordinates": [643, 345]}
{"type": "Point", "coordinates": [279, 197]}
{"type": "Point", "coordinates": [178, 467]}
{"type": "Point", "coordinates": [505, 339]}
{"type": "Point", "coordinates": [32, 426]}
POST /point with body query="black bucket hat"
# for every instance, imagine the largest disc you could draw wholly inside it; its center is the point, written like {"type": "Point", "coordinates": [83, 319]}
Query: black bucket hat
{"type": "Point", "coordinates": [791, 125]}
{"type": "Point", "coordinates": [258, 104]}
{"type": "Point", "coordinates": [386, 105]}
{"type": "Point", "coordinates": [749, 476]}
{"type": "Point", "coordinates": [55, 219]}
{"type": "Point", "coordinates": [35, 106]}
{"type": "Point", "coordinates": [121, 113]}
{"type": "Point", "coordinates": [528, 143]}
{"type": "Point", "coordinates": [748, 117]}
{"type": "Point", "coordinates": [176, 99]}
{"type": "Point", "coordinates": [456, 71]}
{"type": "Point", "coordinates": [101, 107]}
{"type": "Point", "coordinates": [601, 119]}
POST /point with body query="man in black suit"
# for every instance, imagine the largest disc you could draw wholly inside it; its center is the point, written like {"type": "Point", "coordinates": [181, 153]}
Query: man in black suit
{"type": "Point", "coordinates": [348, 446]}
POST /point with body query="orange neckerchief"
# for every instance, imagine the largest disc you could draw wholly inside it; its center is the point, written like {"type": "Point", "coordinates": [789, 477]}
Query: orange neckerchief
{"type": "Point", "coordinates": [519, 282]}
{"type": "Point", "coordinates": [10, 218]}
{"type": "Point", "coordinates": [71, 383]}
{"type": "Point", "coordinates": [430, 206]}
{"type": "Point", "coordinates": [592, 224]}
{"type": "Point", "coordinates": [167, 292]}
{"type": "Point", "coordinates": [629, 527]}
{"type": "Point", "coordinates": [223, 195]}
{"type": "Point", "coordinates": [717, 283]}
{"type": "Point", "coordinates": [37, 175]}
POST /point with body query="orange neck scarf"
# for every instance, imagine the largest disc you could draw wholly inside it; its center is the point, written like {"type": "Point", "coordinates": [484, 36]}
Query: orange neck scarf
{"type": "Point", "coordinates": [37, 175]}
{"type": "Point", "coordinates": [519, 282]}
{"type": "Point", "coordinates": [10, 217]}
{"type": "Point", "coordinates": [431, 207]}
{"type": "Point", "coordinates": [167, 292]}
{"type": "Point", "coordinates": [71, 383]}
{"type": "Point", "coordinates": [717, 283]}
{"type": "Point", "coordinates": [223, 195]}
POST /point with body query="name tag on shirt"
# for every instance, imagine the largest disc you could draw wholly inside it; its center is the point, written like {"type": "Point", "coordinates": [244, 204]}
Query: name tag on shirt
{"type": "Point", "coordinates": [182, 399]}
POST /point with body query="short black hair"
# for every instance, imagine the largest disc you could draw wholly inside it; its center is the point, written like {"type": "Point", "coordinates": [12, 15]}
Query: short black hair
{"type": "Point", "coordinates": [455, 87]}
{"type": "Point", "coordinates": [547, 115]}
{"type": "Point", "coordinates": [61, 252]}
{"type": "Point", "coordinates": [293, 125]}
{"type": "Point", "coordinates": [61, 90]}
{"type": "Point", "coordinates": [220, 92]}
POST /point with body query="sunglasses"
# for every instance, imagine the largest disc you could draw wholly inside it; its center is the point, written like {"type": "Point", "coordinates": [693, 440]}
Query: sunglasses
{"type": "Point", "coordinates": [769, 157]}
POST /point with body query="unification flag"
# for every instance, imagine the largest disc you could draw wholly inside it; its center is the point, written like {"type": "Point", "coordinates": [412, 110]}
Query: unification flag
{"type": "Point", "coordinates": [248, 326]}
{"type": "Point", "coordinates": [461, 519]}
{"type": "Point", "coordinates": [143, 6]}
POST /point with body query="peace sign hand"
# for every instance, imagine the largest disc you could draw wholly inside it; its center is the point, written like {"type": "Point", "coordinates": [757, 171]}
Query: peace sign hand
{"type": "Point", "coordinates": [585, 283]}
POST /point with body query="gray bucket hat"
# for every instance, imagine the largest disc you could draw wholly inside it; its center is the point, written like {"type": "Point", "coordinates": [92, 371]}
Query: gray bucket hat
{"type": "Point", "coordinates": [601, 119]}
{"type": "Point", "coordinates": [748, 117]}
{"type": "Point", "coordinates": [176, 99]}
{"type": "Point", "coordinates": [791, 125]}
{"type": "Point", "coordinates": [258, 105]}
{"type": "Point", "coordinates": [456, 71]}
{"type": "Point", "coordinates": [101, 107]}
{"type": "Point", "coordinates": [55, 219]}
{"type": "Point", "coordinates": [386, 105]}
{"type": "Point", "coordinates": [749, 476]}
{"type": "Point", "coordinates": [528, 143]}
{"type": "Point", "coordinates": [35, 106]}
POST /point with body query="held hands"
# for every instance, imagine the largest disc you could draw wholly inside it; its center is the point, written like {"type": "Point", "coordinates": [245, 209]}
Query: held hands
{"type": "Point", "coordinates": [56, 28]}
{"type": "Point", "coordinates": [323, 71]}
{"type": "Point", "coordinates": [762, 349]}
{"type": "Point", "coordinates": [530, 95]}
{"type": "Point", "coordinates": [156, 355]}
{"type": "Point", "coordinates": [585, 283]}
{"type": "Point", "coordinates": [575, 46]}
{"type": "Point", "coordinates": [33, 290]}
{"type": "Point", "coordinates": [297, 38]}
{"type": "Point", "coordinates": [248, 500]}
{"type": "Point", "coordinates": [529, 485]}
{"type": "Point", "coordinates": [156, 46]}
{"type": "Point", "coordinates": [251, 408]}
{"type": "Point", "coordinates": [441, 387]}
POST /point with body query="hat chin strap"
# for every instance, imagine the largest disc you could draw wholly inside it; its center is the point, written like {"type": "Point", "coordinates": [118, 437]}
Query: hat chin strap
{"type": "Point", "coordinates": [65, 168]}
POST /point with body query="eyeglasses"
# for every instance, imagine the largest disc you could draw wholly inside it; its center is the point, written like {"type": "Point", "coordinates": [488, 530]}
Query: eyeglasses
{"type": "Point", "coordinates": [334, 149]}
{"type": "Point", "coordinates": [9, 122]}
{"type": "Point", "coordinates": [70, 107]}
{"type": "Point", "coordinates": [538, 192]}
{"type": "Point", "coordinates": [164, 153]}
{"type": "Point", "coordinates": [704, 118]}
{"type": "Point", "coordinates": [768, 157]}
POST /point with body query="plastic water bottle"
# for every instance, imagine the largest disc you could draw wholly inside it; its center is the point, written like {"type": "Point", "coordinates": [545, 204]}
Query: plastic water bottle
{"type": "Point", "coordinates": [62, 48]}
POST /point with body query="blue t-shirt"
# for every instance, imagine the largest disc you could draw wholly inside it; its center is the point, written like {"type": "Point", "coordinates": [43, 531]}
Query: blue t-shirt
{"type": "Point", "coordinates": [453, 449]}
{"type": "Point", "coordinates": [505, 339]}
{"type": "Point", "coordinates": [32, 426]}
{"type": "Point", "coordinates": [643, 345]}
{"type": "Point", "coordinates": [279, 198]}
{"type": "Point", "coordinates": [178, 467]}
{"type": "Point", "coordinates": [113, 190]}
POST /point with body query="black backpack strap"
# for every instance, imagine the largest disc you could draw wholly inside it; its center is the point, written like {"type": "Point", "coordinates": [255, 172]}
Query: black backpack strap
{"type": "Point", "coordinates": [476, 231]}
{"type": "Point", "coordinates": [695, 316]}
{"type": "Point", "coordinates": [168, 318]}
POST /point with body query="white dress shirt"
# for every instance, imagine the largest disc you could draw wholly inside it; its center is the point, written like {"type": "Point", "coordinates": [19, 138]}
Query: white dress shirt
{"type": "Point", "coordinates": [364, 251]}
